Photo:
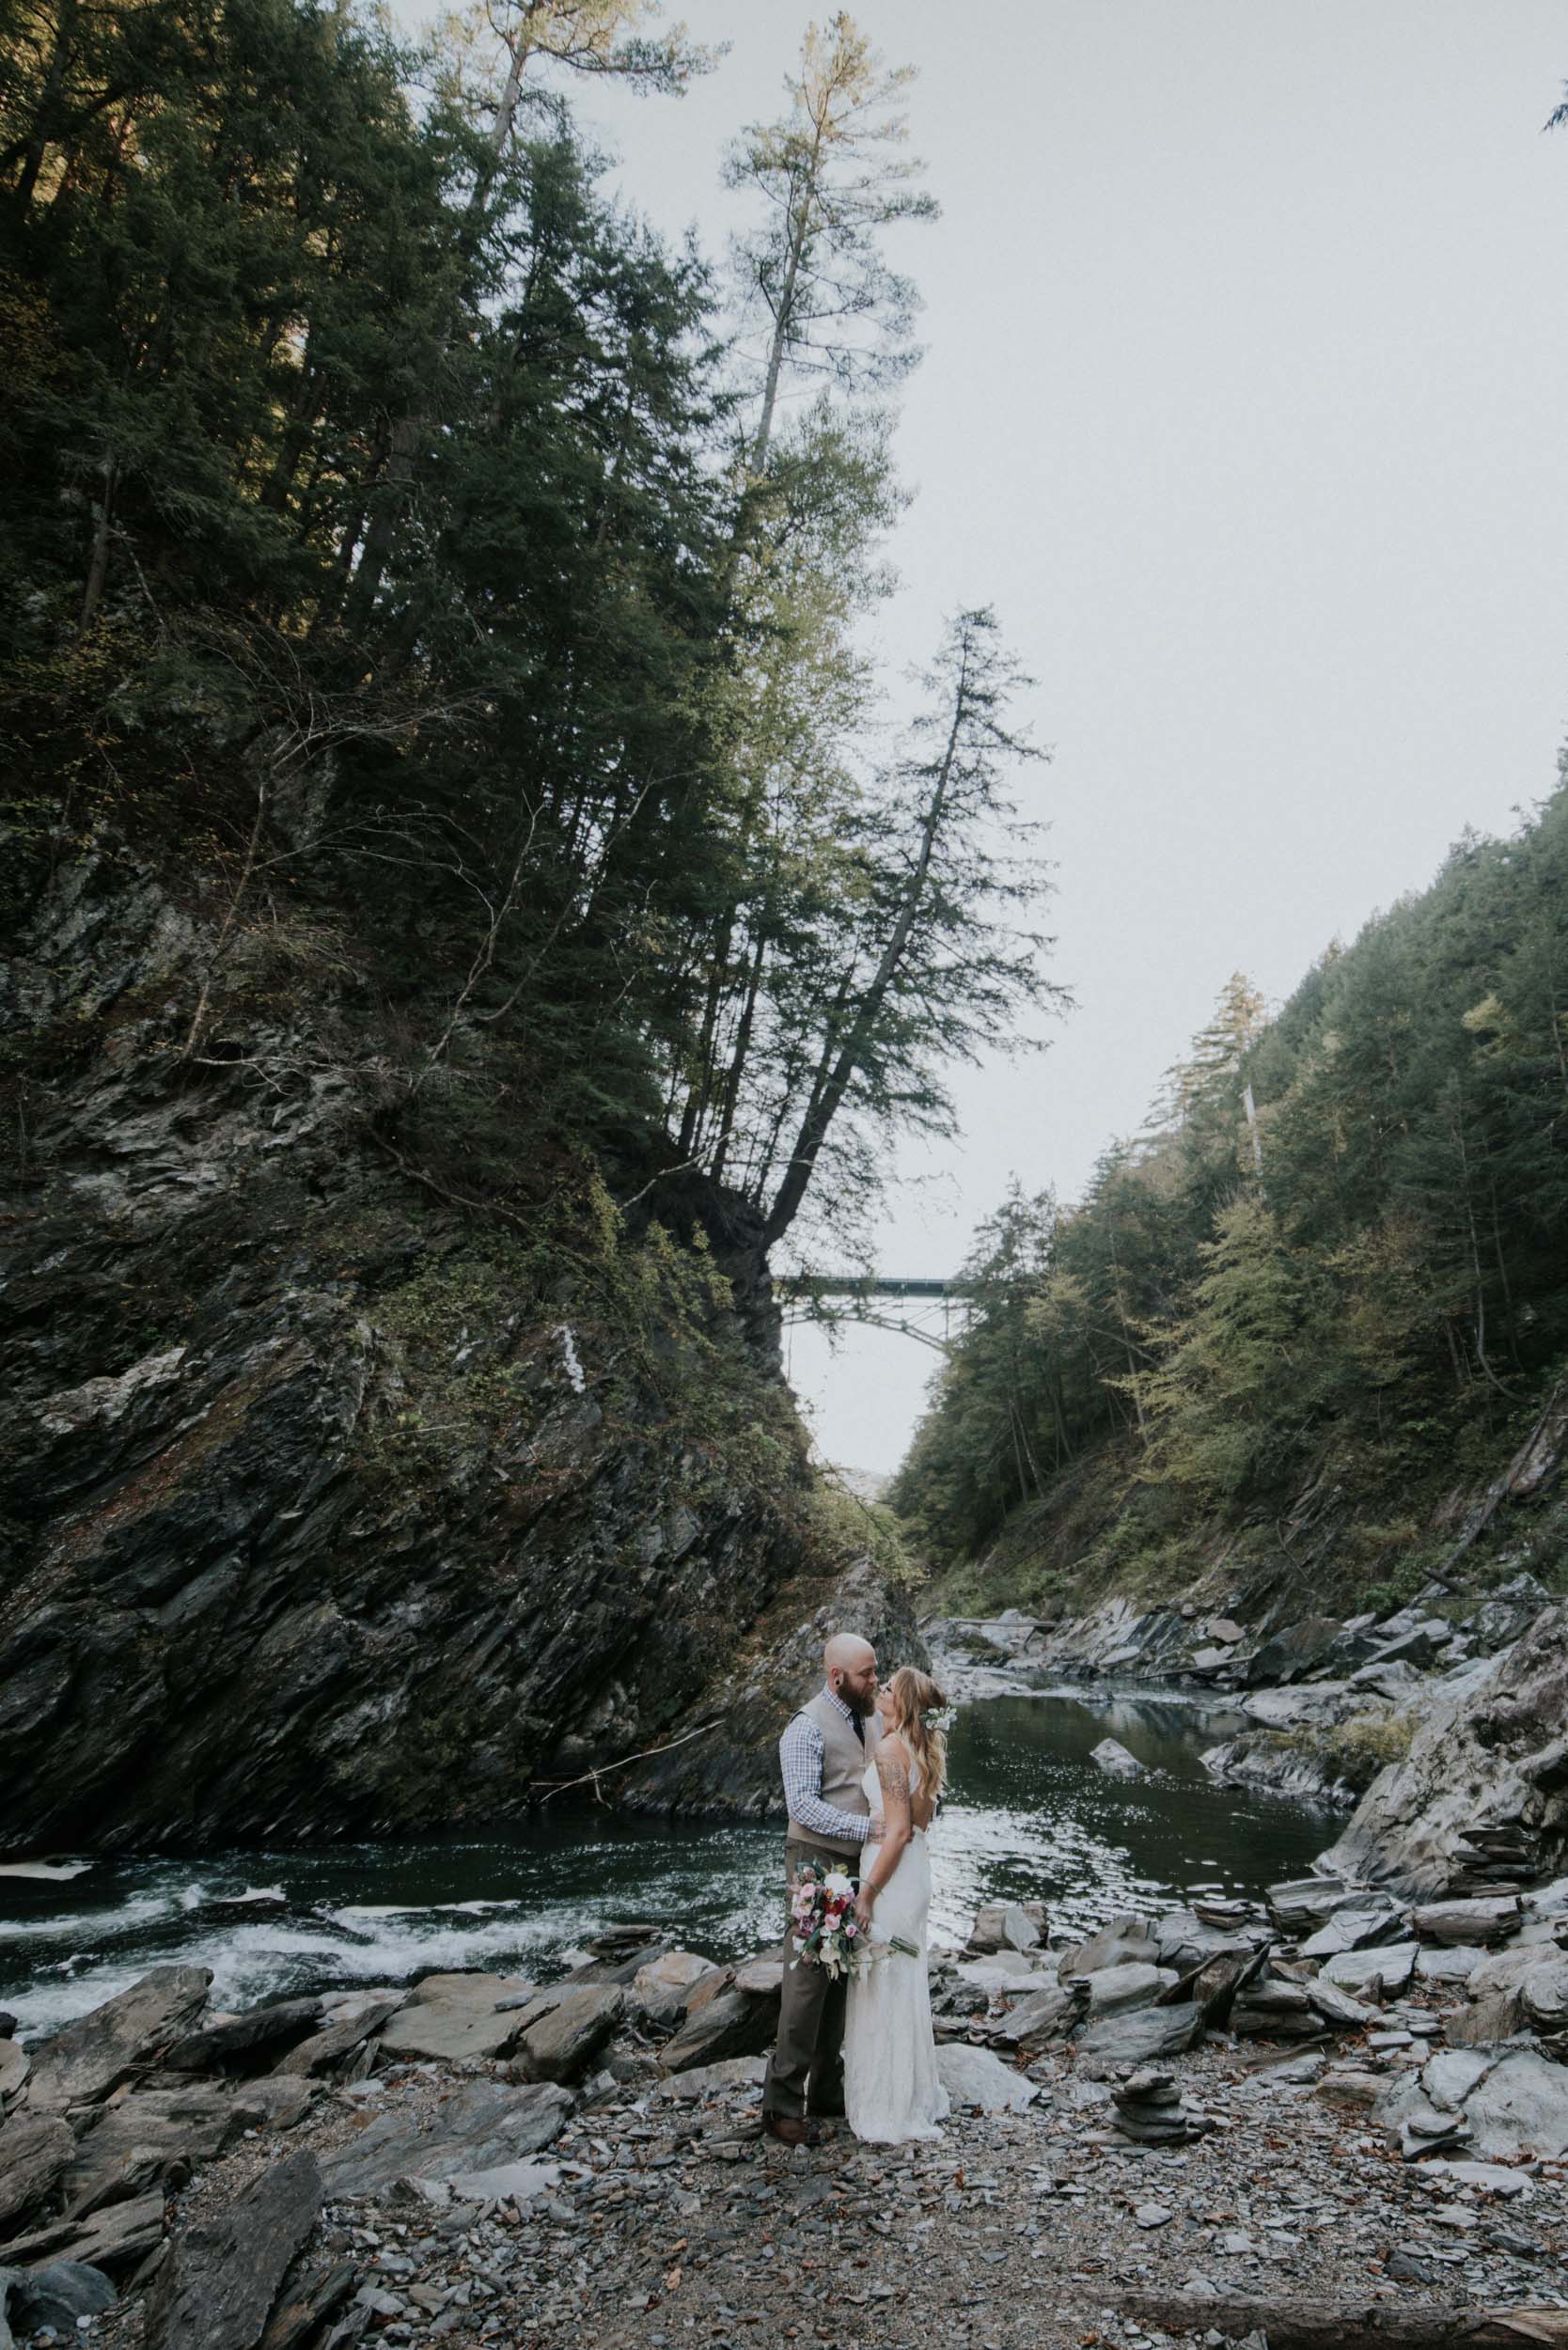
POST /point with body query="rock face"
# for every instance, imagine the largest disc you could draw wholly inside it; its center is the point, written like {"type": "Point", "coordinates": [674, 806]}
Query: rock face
{"type": "Point", "coordinates": [326, 1514]}
{"type": "Point", "coordinates": [753, 1695]}
{"type": "Point", "coordinates": [1481, 1762]}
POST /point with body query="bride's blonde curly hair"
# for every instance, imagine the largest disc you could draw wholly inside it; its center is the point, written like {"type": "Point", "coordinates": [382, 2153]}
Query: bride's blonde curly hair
{"type": "Point", "coordinates": [916, 1702]}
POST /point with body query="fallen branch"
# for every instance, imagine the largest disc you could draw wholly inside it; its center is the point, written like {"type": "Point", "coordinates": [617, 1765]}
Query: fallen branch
{"type": "Point", "coordinates": [1302, 2324]}
{"type": "Point", "coordinates": [592, 1778]}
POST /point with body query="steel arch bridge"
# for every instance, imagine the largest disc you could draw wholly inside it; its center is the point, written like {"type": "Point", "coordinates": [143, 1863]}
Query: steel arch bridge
{"type": "Point", "coordinates": [877, 1299]}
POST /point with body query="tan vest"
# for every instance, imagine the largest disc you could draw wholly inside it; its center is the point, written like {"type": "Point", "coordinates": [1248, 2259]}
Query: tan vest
{"type": "Point", "coordinates": [844, 1760]}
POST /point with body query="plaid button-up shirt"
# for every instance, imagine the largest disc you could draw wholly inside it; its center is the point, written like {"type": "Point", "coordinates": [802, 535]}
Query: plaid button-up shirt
{"type": "Point", "coordinates": [802, 1753]}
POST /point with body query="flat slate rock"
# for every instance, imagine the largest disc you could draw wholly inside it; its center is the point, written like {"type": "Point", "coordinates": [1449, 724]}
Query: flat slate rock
{"type": "Point", "coordinates": [1040, 2015]}
{"type": "Point", "coordinates": [1480, 1920]}
{"type": "Point", "coordinates": [729, 2025]}
{"type": "Point", "coordinates": [974, 2078]}
{"type": "Point", "coordinates": [1121, 1942]}
{"type": "Point", "coordinates": [83, 2063]}
{"type": "Point", "coordinates": [1391, 1963]}
{"type": "Point", "coordinates": [761, 1979]}
{"type": "Point", "coordinates": [454, 2018]}
{"type": "Point", "coordinates": [1351, 1929]}
{"type": "Point", "coordinates": [710, 2080]}
{"type": "Point", "coordinates": [663, 1988]}
{"type": "Point", "coordinates": [479, 2128]}
{"type": "Point", "coordinates": [15, 2065]}
{"type": "Point", "coordinates": [1337, 2007]}
{"type": "Point", "coordinates": [1132, 1985]}
{"type": "Point", "coordinates": [325, 2050]}
{"type": "Point", "coordinates": [563, 2044]}
{"type": "Point", "coordinates": [117, 2239]}
{"type": "Point", "coordinates": [509, 2183]}
{"type": "Point", "coordinates": [217, 2289]}
{"type": "Point", "coordinates": [1138, 2035]}
{"type": "Point", "coordinates": [131, 2147]}
{"type": "Point", "coordinates": [307, 2301]}
{"type": "Point", "coordinates": [34, 2151]}
{"type": "Point", "coordinates": [1520, 2108]}
{"type": "Point", "coordinates": [254, 2039]}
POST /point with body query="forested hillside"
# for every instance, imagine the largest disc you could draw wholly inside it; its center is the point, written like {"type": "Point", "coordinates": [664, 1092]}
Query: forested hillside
{"type": "Point", "coordinates": [1302, 1322]}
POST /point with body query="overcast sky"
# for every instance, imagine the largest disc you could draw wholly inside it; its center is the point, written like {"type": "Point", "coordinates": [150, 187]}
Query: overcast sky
{"type": "Point", "coordinates": [1244, 403]}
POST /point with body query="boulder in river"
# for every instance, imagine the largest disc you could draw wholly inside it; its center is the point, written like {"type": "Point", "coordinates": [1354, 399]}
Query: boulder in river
{"type": "Point", "coordinates": [1114, 1759]}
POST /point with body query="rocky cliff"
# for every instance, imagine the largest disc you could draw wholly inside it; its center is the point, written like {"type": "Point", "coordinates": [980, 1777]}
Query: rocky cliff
{"type": "Point", "coordinates": [1483, 1791]}
{"type": "Point", "coordinates": [330, 1505]}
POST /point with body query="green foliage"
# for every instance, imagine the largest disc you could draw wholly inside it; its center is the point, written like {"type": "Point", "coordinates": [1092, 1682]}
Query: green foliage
{"type": "Point", "coordinates": [1334, 1267]}
{"type": "Point", "coordinates": [1355, 1750]}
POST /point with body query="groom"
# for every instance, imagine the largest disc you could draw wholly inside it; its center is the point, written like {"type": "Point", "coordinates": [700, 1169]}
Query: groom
{"type": "Point", "coordinates": [823, 1752]}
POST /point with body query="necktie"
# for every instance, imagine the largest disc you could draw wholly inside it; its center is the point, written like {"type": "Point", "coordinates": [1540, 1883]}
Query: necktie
{"type": "Point", "coordinates": [859, 1728]}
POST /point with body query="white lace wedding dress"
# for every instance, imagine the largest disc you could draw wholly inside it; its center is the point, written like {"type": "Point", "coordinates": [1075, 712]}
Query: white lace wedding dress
{"type": "Point", "coordinates": [891, 2089]}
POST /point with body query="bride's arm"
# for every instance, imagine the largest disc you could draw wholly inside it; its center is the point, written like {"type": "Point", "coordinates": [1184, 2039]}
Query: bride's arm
{"type": "Point", "coordinates": [892, 1770]}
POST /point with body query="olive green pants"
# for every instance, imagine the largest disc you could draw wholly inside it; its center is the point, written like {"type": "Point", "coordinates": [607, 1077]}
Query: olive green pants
{"type": "Point", "coordinates": [806, 2071]}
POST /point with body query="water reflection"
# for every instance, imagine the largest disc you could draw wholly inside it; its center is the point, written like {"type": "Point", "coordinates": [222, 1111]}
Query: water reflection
{"type": "Point", "coordinates": [1029, 1815]}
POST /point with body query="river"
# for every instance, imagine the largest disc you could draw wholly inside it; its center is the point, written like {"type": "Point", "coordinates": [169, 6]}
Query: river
{"type": "Point", "coordinates": [1028, 1814]}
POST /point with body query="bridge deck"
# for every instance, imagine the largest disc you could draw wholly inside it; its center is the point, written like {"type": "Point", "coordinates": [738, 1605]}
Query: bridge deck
{"type": "Point", "coordinates": [867, 1285]}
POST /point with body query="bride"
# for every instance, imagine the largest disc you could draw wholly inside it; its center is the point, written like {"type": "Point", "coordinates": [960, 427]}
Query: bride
{"type": "Point", "coordinates": [891, 2089]}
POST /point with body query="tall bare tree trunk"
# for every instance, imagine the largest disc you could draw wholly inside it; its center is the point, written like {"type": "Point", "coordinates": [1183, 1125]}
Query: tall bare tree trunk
{"type": "Point", "coordinates": [822, 1112]}
{"type": "Point", "coordinates": [98, 562]}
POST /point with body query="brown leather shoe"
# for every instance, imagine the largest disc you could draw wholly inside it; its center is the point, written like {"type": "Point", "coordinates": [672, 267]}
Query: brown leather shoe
{"type": "Point", "coordinates": [789, 2128]}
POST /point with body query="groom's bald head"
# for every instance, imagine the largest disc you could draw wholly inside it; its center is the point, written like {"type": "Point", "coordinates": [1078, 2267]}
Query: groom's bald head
{"type": "Point", "coordinates": [849, 1668]}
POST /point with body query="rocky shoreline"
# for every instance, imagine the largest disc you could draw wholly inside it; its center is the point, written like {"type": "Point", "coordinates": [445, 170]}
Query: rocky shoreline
{"type": "Point", "coordinates": [1221, 2119]}
{"type": "Point", "coordinates": [1338, 2095]}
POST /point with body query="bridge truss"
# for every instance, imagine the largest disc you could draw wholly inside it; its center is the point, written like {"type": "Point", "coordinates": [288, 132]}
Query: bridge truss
{"type": "Point", "coordinates": [923, 1306]}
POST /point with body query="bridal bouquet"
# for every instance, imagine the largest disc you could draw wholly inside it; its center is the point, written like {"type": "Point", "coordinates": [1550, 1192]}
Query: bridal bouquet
{"type": "Point", "coordinates": [826, 1932]}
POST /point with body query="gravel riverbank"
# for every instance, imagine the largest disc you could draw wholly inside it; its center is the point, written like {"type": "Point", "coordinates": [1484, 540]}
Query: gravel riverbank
{"type": "Point", "coordinates": [672, 2221]}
